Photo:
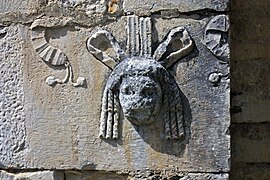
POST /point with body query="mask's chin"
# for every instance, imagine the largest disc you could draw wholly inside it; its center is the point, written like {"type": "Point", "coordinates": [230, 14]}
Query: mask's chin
{"type": "Point", "coordinates": [139, 116]}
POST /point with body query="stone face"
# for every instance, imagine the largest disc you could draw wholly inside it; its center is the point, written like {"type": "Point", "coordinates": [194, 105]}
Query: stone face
{"type": "Point", "coordinates": [181, 6]}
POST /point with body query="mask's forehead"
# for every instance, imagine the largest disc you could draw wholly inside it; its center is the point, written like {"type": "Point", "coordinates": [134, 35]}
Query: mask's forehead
{"type": "Point", "coordinates": [139, 82]}
{"type": "Point", "coordinates": [139, 66]}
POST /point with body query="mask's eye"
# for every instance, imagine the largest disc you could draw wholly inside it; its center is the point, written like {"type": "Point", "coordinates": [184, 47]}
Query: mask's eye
{"type": "Point", "coordinates": [126, 90]}
{"type": "Point", "coordinates": [149, 91]}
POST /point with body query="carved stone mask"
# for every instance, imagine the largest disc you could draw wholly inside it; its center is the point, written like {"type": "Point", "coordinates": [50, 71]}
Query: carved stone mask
{"type": "Point", "coordinates": [139, 99]}
{"type": "Point", "coordinates": [140, 95]}
{"type": "Point", "coordinates": [140, 85]}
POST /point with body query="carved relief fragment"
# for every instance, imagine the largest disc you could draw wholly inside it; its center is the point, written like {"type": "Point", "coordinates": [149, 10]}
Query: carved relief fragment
{"type": "Point", "coordinates": [216, 37]}
{"type": "Point", "coordinates": [52, 56]}
{"type": "Point", "coordinates": [3, 32]}
{"type": "Point", "coordinates": [140, 85]}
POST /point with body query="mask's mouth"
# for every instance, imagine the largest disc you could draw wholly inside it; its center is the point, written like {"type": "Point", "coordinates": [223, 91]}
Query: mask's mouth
{"type": "Point", "coordinates": [139, 116]}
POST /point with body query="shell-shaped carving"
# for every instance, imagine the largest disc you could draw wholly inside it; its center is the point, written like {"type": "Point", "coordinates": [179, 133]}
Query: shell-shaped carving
{"type": "Point", "coordinates": [216, 37]}
{"type": "Point", "coordinates": [46, 52]}
{"type": "Point", "coordinates": [105, 48]}
{"type": "Point", "coordinates": [176, 45]}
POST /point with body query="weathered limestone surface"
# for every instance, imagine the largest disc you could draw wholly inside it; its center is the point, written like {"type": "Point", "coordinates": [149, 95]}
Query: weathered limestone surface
{"type": "Point", "coordinates": [73, 175]}
{"type": "Point", "coordinates": [181, 6]}
{"type": "Point", "coordinates": [13, 6]}
{"type": "Point", "coordinates": [62, 121]}
{"type": "Point", "coordinates": [12, 116]}
{"type": "Point", "coordinates": [95, 175]}
{"type": "Point", "coordinates": [52, 89]}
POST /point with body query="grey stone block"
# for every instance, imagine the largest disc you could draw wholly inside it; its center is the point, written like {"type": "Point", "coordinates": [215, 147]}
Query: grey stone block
{"type": "Point", "coordinates": [57, 124]}
{"type": "Point", "coordinates": [250, 109]}
{"type": "Point", "coordinates": [12, 116]}
{"type": "Point", "coordinates": [63, 121]}
{"type": "Point", "coordinates": [41, 175]}
{"type": "Point", "coordinates": [260, 171]}
{"type": "Point", "coordinates": [251, 143]}
{"type": "Point", "coordinates": [95, 175]}
{"type": "Point", "coordinates": [148, 6]}
{"type": "Point", "coordinates": [13, 6]}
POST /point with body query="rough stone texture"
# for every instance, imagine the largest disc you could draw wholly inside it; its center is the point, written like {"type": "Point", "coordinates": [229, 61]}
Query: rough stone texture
{"type": "Point", "coordinates": [250, 62]}
{"type": "Point", "coordinates": [92, 175]}
{"type": "Point", "coordinates": [13, 6]}
{"type": "Point", "coordinates": [41, 175]}
{"type": "Point", "coordinates": [202, 176]}
{"type": "Point", "coordinates": [12, 117]}
{"type": "Point", "coordinates": [142, 6]}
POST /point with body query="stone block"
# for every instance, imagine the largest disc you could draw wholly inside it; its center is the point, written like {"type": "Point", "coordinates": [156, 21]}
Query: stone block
{"type": "Point", "coordinates": [250, 33]}
{"type": "Point", "coordinates": [259, 171]}
{"type": "Point", "coordinates": [95, 175]}
{"type": "Point", "coordinates": [13, 6]}
{"type": "Point", "coordinates": [251, 143]}
{"type": "Point", "coordinates": [202, 176]}
{"type": "Point", "coordinates": [182, 6]}
{"type": "Point", "coordinates": [250, 91]}
{"type": "Point", "coordinates": [78, 112]}
{"type": "Point", "coordinates": [249, 79]}
{"type": "Point", "coordinates": [41, 175]}
{"type": "Point", "coordinates": [250, 109]}
{"type": "Point", "coordinates": [12, 116]}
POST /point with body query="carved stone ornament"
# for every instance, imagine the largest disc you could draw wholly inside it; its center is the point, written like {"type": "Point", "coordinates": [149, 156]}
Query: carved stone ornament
{"type": "Point", "coordinates": [140, 85]}
{"type": "Point", "coordinates": [216, 37]}
{"type": "Point", "coordinates": [52, 56]}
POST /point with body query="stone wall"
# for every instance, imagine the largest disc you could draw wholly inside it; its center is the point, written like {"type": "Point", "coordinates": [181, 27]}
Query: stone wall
{"type": "Point", "coordinates": [37, 135]}
{"type": "Point", "coordinates": [250, 89]}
